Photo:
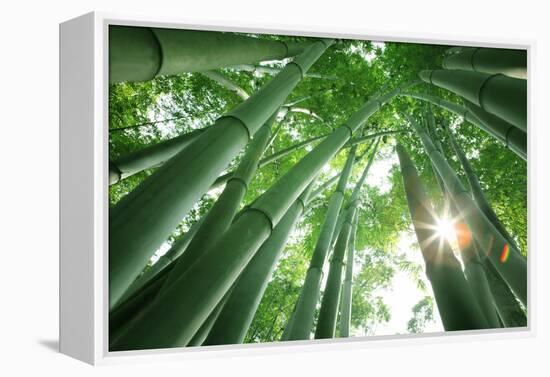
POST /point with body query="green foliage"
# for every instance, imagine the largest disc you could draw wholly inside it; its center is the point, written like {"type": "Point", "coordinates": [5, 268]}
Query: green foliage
{"type": "Point", "coordinates": [374, 274]}
{"type": "Point", "coordinates": [423, 314]}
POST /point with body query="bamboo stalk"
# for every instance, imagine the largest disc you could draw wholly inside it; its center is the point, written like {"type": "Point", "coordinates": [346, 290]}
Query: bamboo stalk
{"type": "Point", "coordinates": [473, 265]}
{"type": "Point", "coordinates": [263, 69]}
{"type": "Point", "coordinates": [222, 179]}
{"type": "Point", "coordinates": [347, 286]}
{"type": "Point", "coordinates": [226, 83]}
{"type": "Point", "coordinates": [457, 306]}
{"type": "Point", "coordinates": [510, 265]}
{"type": "Point", "coordinates": [497, 94]}
{"type": "Point", "coordinates": [511, 63]}
{"type": "Point", "coordinates": [148, 157]}
{"type": "Point", "coordinates": [305, 307]}
{"type": "Point", "coordinates": [508, 308]}
{"type": "Point", "coordinates": [175, 251]}
{"type": "Point", "coordinates": [144, 218]}
{"type": "Point", "coordinates": [328, 313]}
{"type": "Point", "coordinates": [237, 315]}
{"type": "Point", "coordinates": [475, 187]}
{"type": "Point", "coordinates": [513, 138]}
{"type": "Point", "coordinates": [221, 214]}
{"type": "Point", "coordinates": [140, 53]}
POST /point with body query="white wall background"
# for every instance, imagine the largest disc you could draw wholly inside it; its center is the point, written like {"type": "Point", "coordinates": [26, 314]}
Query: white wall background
{"type": "Point", "coordinates": [29, 184]}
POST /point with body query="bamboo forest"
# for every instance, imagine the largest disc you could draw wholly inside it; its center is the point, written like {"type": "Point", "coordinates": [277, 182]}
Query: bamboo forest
{"type": "Point", "coordinates": [267, 188]}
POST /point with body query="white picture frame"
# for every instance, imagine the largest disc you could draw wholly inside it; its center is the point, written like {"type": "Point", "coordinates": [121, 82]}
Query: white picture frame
{"type": "Point", "coordinates": [84, 201]}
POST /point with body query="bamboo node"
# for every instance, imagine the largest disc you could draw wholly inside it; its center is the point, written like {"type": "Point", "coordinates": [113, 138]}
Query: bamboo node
{"type": "Point", "coordinates": [482, 86]}
{"type": "Point", "coordinates": [266, 215]}
{"type": "Point", "coordinates": [249, 134]}
{"type": "Point", "coordinates": [302, 202]}
{"type": "Point", "coordinates": [240, 180]}
{"type": "Point", "coordinates": [287, 49]}
{"type": "Point", "coordinates": [507, 135]}
{"type": "Point", "coordinates": [472, 58]}
{"type": "Point", "coordinates": [159, 43]}
{"type": "Point", "coordinates": [349, 128]}
{"type": "Point", "coordinates": [302, 73]}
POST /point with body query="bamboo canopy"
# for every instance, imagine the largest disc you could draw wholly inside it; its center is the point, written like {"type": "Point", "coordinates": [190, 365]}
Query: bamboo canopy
{"type": "Point", "coordinates": [224, 234]}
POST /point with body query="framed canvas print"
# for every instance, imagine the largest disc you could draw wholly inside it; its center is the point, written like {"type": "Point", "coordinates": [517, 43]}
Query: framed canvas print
{"type": "Point", "coordinates": [234, 189]}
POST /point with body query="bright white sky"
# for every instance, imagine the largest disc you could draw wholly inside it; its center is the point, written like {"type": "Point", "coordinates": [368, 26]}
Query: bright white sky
{"type": "Point", "coordinates": [403, 293]}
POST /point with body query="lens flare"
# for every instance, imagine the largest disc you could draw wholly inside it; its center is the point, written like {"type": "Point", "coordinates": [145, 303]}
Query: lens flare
{"type": "Point", "coordinates": [445, 229]}
{"type": "Point", "coordinates": [463, 235]}
{"type": "Point", "coordinates": [505, 254]}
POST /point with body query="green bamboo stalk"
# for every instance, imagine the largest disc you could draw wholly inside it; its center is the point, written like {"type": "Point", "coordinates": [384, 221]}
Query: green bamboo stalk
{"type": "Point", "coordinates": [487, 284]}
{"type": "Point", "coordinates": [347, 288]}
{"type": "Point", "coordinates": [121, 316]}
{"type": "Point", "coordinates": [477, 192]}
{"type": "Point", "coordinates": [338, 227]}
{"type": "Point", "coordinates": [237, 315]}
{"type": "Point", "coordinates": [148, 157]}
{"type": "Point", "coordinates": [222, 179]}
{"type": "Point", "coordinates": [473, 265]}
{"type": "Point", "coordinates": [175, 251]}
{"type": "Point", "coordinates": [475, 275]}
{"type": "Point", "coordinates": [254, 288]}
{"type": "Point", "coordinates": [146, 124]}
{"type": "Point", "coordinates": [221, 215]}
{"type": "Point", "coordinates": [508, 308]}
{"type": "Point", "coordinates": [499, 95]}
{"type": "Point", "coordinates": [513, 138]}
{"type": "Point", "coordinates": [141, 54]}
{"type": "Point", "coordinates": [263, 69]}
{"type": "Point", "coordinates": [511, 63]}
{"type": "Point", "coordinates": [499, 293]}
{"type": "Point", "coordinates": [226, 83]}
{"type": "Point", "coordinates": [201, 335]}
{"type": "Point", "coordinates": [328, 313]}
{"type": "Point", "coordinates": [457, 306]}
{"type": "Point", "coordinates": [170, 321]}
{"type": "Point", "coordinates": [510, 265]}
{"type": "Point", "coordinates": [305, 307]}
{"type": "Point", "coordinates": [249, 288]}
{"type": "Point", "coordinates": [156, 155]}
{"type": "Point", "coordinates": [144, 218]}
{"type": "Point", "coordinates": [329, 182]}
{"type": "Point", "coordinates": [288, 328]}
{"type": "Point", "coordinates": [136, 300]}
{"type": "Point", "coordinates": [230, 85]}
{"type": "Point", "coordinates": [299, 100]}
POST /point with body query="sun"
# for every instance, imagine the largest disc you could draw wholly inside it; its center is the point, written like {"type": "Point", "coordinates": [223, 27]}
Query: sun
{"type": "Point", "coordinates": [445, 229]}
